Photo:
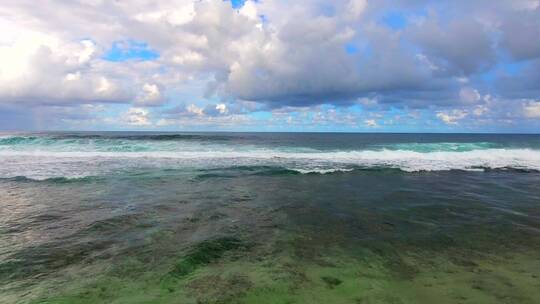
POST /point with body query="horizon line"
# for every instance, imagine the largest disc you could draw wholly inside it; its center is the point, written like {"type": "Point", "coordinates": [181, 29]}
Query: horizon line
{"type": "Point", "coordinates": [263, 131]}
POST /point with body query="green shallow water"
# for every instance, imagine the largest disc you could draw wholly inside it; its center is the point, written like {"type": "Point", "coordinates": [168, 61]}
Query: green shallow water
{"type": "Point", "coordinates": [173, 236]}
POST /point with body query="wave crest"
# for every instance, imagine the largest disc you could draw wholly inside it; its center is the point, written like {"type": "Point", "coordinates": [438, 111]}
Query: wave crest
{"type": "Point", "coordinates": [47, 164]}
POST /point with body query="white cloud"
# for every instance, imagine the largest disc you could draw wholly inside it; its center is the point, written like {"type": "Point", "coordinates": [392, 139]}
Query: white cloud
{"type": "Point", "coordinates": [480, 110]}
{"type": "Point", "coordinates": [150, 96]}
{"type": "Point", "coordinates": [221, 108]}
{"type": "Point", "coordinates": [469, 95]}
{"type": "Point", "coordinates": [372, 123]}
{"type": "Point", "coordinates": [452, 117]}
{"type": "Point", "coordinates": [355, 8]}
{"type": "Point", "coordinates": [41, 68]}
{"type": "Point", "coordinates": [531, 109]}
{"type": "Point", "coordinates": [249, 10]}
{"type": "Point", "coordinates": [193, 109]}
{"type": "Point", "coordinates": [137, 117]}
{"type": "Point", "coordinates": [273, 53]}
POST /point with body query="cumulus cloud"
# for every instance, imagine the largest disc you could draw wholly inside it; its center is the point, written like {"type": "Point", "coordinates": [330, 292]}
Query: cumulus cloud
{"type": "Point", "coordinates": [372, 123]}
{"type": "Point", "coordinates": [532, 109]}
{"type": "Point", "coordinates": [150, 96]}
{"type": "Point", "coordinates": [136, 117]}
{"type": "Point", "coordinates": [469, 95]}
{"type": "Point", "coordinates": [460, 48]}
{"type": "Point", "coordinates": [520, 45]}
{"type": "Point", "coordinates": [272, 55]}
{"type": "Point", "coordinates": [452, 117]}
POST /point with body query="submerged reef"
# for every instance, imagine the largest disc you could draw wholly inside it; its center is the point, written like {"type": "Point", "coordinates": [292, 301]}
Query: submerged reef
{"type": "Point", "coordinates": [358, 237]}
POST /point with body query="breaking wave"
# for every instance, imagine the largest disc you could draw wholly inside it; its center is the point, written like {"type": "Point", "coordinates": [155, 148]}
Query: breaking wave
{"type": "Point", "coordinates": [76, 156]}
{"type": "Point", "coordinates": [77, 164]}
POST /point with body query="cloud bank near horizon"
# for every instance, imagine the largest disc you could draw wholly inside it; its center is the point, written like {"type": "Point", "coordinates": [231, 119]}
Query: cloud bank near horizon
{"type": "Point", "coordinates": [409, 65]}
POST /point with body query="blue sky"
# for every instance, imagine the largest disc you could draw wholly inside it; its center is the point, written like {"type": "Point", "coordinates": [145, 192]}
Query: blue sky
{"type": "Point", "coordinates": [130, 50]}
{"type": "Point", "coordinates": [351, 65]}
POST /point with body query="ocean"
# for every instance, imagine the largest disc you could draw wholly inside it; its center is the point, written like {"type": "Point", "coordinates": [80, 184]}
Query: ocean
{"type": "Point", "coordinates": [149, 217]}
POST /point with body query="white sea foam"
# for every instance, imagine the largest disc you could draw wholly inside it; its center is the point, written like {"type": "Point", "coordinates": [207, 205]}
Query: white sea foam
{"type": "Point", "coordinates": [321, 170]}
{"type": "Point", "coordinates": [44, 164]}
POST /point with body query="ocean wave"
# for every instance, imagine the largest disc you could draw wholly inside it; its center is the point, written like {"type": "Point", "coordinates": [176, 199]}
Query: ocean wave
{"type": "Point", "coordinates": [55, 180]}
{"type": "Point", "coordinates": [47, 164]}
{"type": "Point", "coordinates": [322, 170]}
{"type": "Point", "coordinates": [173, 143]}
{"type": "Point", "coordinates": [441, 146]}
{"type": "Point", "coordinates": [67, 137]}
{"type": "Point", "coordinates": [17, 140]}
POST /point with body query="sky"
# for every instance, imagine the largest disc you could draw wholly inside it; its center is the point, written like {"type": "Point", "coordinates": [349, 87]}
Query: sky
{"type": "Point", "coordinates": [271, 65]}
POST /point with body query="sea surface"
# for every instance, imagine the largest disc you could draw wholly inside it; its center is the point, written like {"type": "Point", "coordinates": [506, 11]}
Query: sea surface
{"type": "Point", "coordinates": [142, 217]}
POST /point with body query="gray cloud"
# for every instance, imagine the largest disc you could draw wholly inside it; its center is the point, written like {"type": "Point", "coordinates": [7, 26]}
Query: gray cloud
{"type": "Point", "coordinates": [460, 48]}
{"type": "Point", "coordinates": [521, 34]}
{"type": "Point", "coordinates": [272, 53]}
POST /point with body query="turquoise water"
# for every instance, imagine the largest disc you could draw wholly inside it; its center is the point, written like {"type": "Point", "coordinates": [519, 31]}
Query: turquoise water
{"type": "Point", "coordinates": [41, 156]}
{"type": "Point", "coordinates": [136, 142]}
{"type": "Point", "coordinates": [269, 218]}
